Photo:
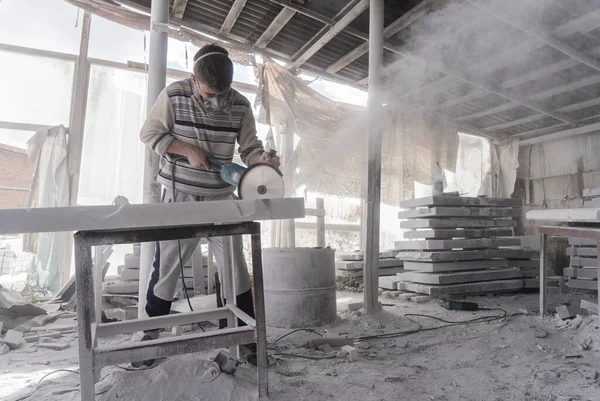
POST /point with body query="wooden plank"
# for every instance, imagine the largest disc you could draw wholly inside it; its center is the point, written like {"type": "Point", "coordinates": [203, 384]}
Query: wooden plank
{"type": "Point", "coordinates": [584, 272]}
{"type": "Point", "coordinates": [430, 267]}
{"type": "Point", "coordinates": [460, 201]}
{"type": "Point", "coordinates": [359, 265]}
{"type": "Point", "coordinates": [57, 219]}
{"type": "Point", "coordinates": [583, 284]}
{"type": "Point", "coordinates": [576, 251]}
{"type": "Point", "coordinates": [459, 233]}
{"type": "Point", "coordinates": [463, 289]}
{"type": "Point", "coordinates": [457, 243]}
{"type": "Point", "coordinates": [459, 277]}
{"type": "Point", "coordinates": [459, 212]}
{"type": "Point", "coordinates": [457, 223]}
{"type": "Point", "coordinates": [451, 256]}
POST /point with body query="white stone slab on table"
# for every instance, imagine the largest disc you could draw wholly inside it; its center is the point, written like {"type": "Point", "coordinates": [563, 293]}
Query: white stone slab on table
{"type": "Point", "coordinates": [76, 218]}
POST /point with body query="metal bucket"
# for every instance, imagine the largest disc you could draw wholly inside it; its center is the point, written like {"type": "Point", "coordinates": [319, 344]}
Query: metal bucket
{"type": "Point", "coordinates": [299, 287]}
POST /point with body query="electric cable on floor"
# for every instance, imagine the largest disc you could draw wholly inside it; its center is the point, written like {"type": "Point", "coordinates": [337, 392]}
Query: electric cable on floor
{"type": "Point", "coordinates": [40, 382]}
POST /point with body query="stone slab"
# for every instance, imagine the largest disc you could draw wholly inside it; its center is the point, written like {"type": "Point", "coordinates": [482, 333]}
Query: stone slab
{"type": "Point", "coordinates": [459, 233]}
{"type": "Point", "coordinates": [13, 339]}
{"type": "Point", "coordinates": [584, 272]}
{"type": "Point", "coordinates": [465, 212]}
{"type": "Point", "coordinates": [457, 223]}
{"type": "Point", "coordinates": [54, 346]}
{"type": "Point", "coordinates": [358, 256]}
{"type": "Point", "coordinates": [591, 307]}
{"type": "Point", "coordinates": [132, 261]}
{"type": "Point", "coordinates": [150, 215]}
{"type": "Point", "coordinates": [583, 284]}
{"type": "Point", "coordinates": [389, 282]}
{"type": "Point", "coordinates": [463, 289]}
{"type": "Point", "coordinates": [137, 249]}
{"type": "Point", "coordinates": [582, 241]}
{"type": "Point", "coordinates": [566, 311]}
{"type": "Point", "coordinates": [524, 264]}
{"type": "Point", "coordinates": [578, 261]}
{"type": "Point", "coordinates": [435, 267]}
{"type": "Point", "coordinates": [582, 251]}
{"type": "Point", "coordinates": [459, 277]}
{"type": "Point", "coordinates": [130, 274]}
{"type": "Point", "coordinates": [535, 283]}
{"type": "Point", "coordinates": [121, 287]}
{"type": "Point", "coordinates": [460, 201]}
{"type": "Point", "coordinates": [388, 271]}
{"type": "Point", "coordinates": [565, 215]}
{"type": "Point", "coordinates": [456, 243]}
{"type": "Point", "coordinates": [451, 256]}
{"type": "Point", "coordinates": [383, 263]}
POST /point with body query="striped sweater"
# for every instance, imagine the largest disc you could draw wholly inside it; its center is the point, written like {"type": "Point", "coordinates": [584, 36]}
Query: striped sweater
{"type": "Point", "coordinates": [179, 114]}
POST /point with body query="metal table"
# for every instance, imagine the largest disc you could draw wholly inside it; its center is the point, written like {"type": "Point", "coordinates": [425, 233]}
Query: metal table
{"type": "Point", "coordinates": [579, 230]}
{"type": "Point", "coordinates": [93, 357]}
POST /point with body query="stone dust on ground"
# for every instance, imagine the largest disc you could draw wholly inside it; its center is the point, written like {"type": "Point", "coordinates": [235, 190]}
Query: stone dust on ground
{"type": "Point", "coordinates": [519, 358]}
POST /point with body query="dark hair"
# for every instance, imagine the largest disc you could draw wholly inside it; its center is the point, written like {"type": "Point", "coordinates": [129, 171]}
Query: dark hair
{"type": "Point", "coordinates": [215, 70]}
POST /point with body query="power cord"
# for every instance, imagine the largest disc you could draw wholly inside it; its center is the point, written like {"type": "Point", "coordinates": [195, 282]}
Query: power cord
{"type": "Point", "coordinates": [185, 291]}
{"type": "Point", "coordinates": [42, 379]}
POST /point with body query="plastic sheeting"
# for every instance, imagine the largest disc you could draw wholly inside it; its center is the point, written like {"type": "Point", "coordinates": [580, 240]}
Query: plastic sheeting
{"type": "Point", "coordinates": [330, 156]}
{"type": "Point", "coordinates": [47, 154]}
{"type": "Point", "coordinates": [505, 156]}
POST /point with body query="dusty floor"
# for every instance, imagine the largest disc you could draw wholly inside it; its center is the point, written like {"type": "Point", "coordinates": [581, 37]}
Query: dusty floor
{"type": "Point", "coordinates": [500, 360]}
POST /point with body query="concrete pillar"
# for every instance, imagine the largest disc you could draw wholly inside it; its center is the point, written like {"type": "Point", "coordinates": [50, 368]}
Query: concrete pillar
{"type": "Point", "coordinates": [373, 192]}
{"type": "Point", "coordinates": [157, 80]}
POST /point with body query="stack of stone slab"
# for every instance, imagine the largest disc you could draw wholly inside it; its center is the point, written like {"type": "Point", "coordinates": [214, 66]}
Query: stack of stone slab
{"type": "Point", "coordinates": [582, 272]}
{"type": "Point", "coordinates": [127, 283]}
{"type": "Point", "coordinates": [352, 264]}
{"type": "Point", "coordinates": [459, 246]}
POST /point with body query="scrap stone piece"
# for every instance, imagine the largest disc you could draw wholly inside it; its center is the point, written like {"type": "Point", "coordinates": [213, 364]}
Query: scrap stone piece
{"type": "Point", "coordinates": [566, 312]}
{"type": "Point", "coordinates": [226, 363]}
{"type": "Point", "coordinates": [420, 298]}
{"type": "Point", "coordinates": [4, 349]}
{"type": "Point", "coordinates": [13, 339]}
{"type": "Point", "coordinates": [326, 348]}
{"type": "Point", "coordinates": [342, 354]}
{"type": "Point", "coordinates": [54, 346]}
{"type": "Point", "coordinates": [591, 307]}
{"type": "Point", "coordinates": [352, 352]}
{"type": "Point", "coordinates": [355, 306]}
{"type": "Point", "coordinates": [540, 333]}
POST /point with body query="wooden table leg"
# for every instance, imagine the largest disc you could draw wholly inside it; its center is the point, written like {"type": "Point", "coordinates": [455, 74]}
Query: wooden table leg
{"type": "Point", "coordinates": [261, 323]}
{"type": "Point", "coordinates": [543, 274]}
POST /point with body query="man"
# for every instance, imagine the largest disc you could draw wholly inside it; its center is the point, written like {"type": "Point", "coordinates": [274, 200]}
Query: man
{"type": "Point", "coordinates": [193, 121]}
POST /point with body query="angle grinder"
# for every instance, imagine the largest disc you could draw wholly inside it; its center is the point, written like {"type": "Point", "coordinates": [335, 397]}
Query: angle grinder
{"type": "Point", "coordinates": [259, 181]}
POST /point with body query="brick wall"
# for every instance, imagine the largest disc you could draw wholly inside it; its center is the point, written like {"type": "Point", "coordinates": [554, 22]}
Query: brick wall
{"type": "Point", "coordinates": [14, 173]}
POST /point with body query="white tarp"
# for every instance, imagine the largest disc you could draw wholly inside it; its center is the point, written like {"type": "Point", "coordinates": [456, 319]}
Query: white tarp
{"type": "Point", "coordinates": [47, 154]}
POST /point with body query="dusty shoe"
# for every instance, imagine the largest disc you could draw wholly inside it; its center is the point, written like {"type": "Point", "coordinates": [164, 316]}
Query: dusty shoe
{"type": "Point", "coordinates": [149, 362]}
{"type": "Point", "coordinates": [248, 353]}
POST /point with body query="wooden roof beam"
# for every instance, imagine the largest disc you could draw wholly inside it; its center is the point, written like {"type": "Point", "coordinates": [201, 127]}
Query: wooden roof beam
{"type": "Point", "coordinates": [405, 20]}
{"type": "Point", "coordinates": [329, 33]}
{"type": "Point", "coordinates": [284, 16]}
{"type": "Point", "coordinates": [178, 9]}
{"type": "Point", "coordinates": [232, 16]}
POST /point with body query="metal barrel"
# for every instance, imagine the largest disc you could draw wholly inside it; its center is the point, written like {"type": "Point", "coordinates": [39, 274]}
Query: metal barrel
{"type": "Point", "coordinates": [299, 287]}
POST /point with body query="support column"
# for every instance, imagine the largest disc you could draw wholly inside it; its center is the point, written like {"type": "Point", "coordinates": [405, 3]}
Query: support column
{"type": "Point", "coordinates": [81, 83]}
{"type": "Point", "coordinates": [157, 80]}
{"type": "Point", "coordinates": [288, 227]}
{"type": "Point", "coordinates": [373, 193]}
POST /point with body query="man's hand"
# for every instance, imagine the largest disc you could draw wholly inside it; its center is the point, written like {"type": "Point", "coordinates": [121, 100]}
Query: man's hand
{"type": "Point", "coordinates": [266, 158]}
{"type": "Point", "coordinates": [198, 157]}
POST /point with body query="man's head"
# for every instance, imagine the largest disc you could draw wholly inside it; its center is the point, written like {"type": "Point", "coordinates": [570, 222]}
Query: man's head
{"type": "Point", "coordinates": [213, 71]}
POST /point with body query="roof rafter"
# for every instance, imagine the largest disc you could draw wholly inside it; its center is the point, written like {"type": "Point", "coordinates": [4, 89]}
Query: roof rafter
{"type": "Point", "coordinates": [232, 16]}
{"type": "Point", "coordinates": [547, 39]}
{"type": "Point", "coordinates": [178, 9]}
{"type": "Point", "coordinates": [405, 20]}
{"type": "Point", "coordinates": [284, 16]}
{"type": "Point", "coordinates": [326, 34]}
